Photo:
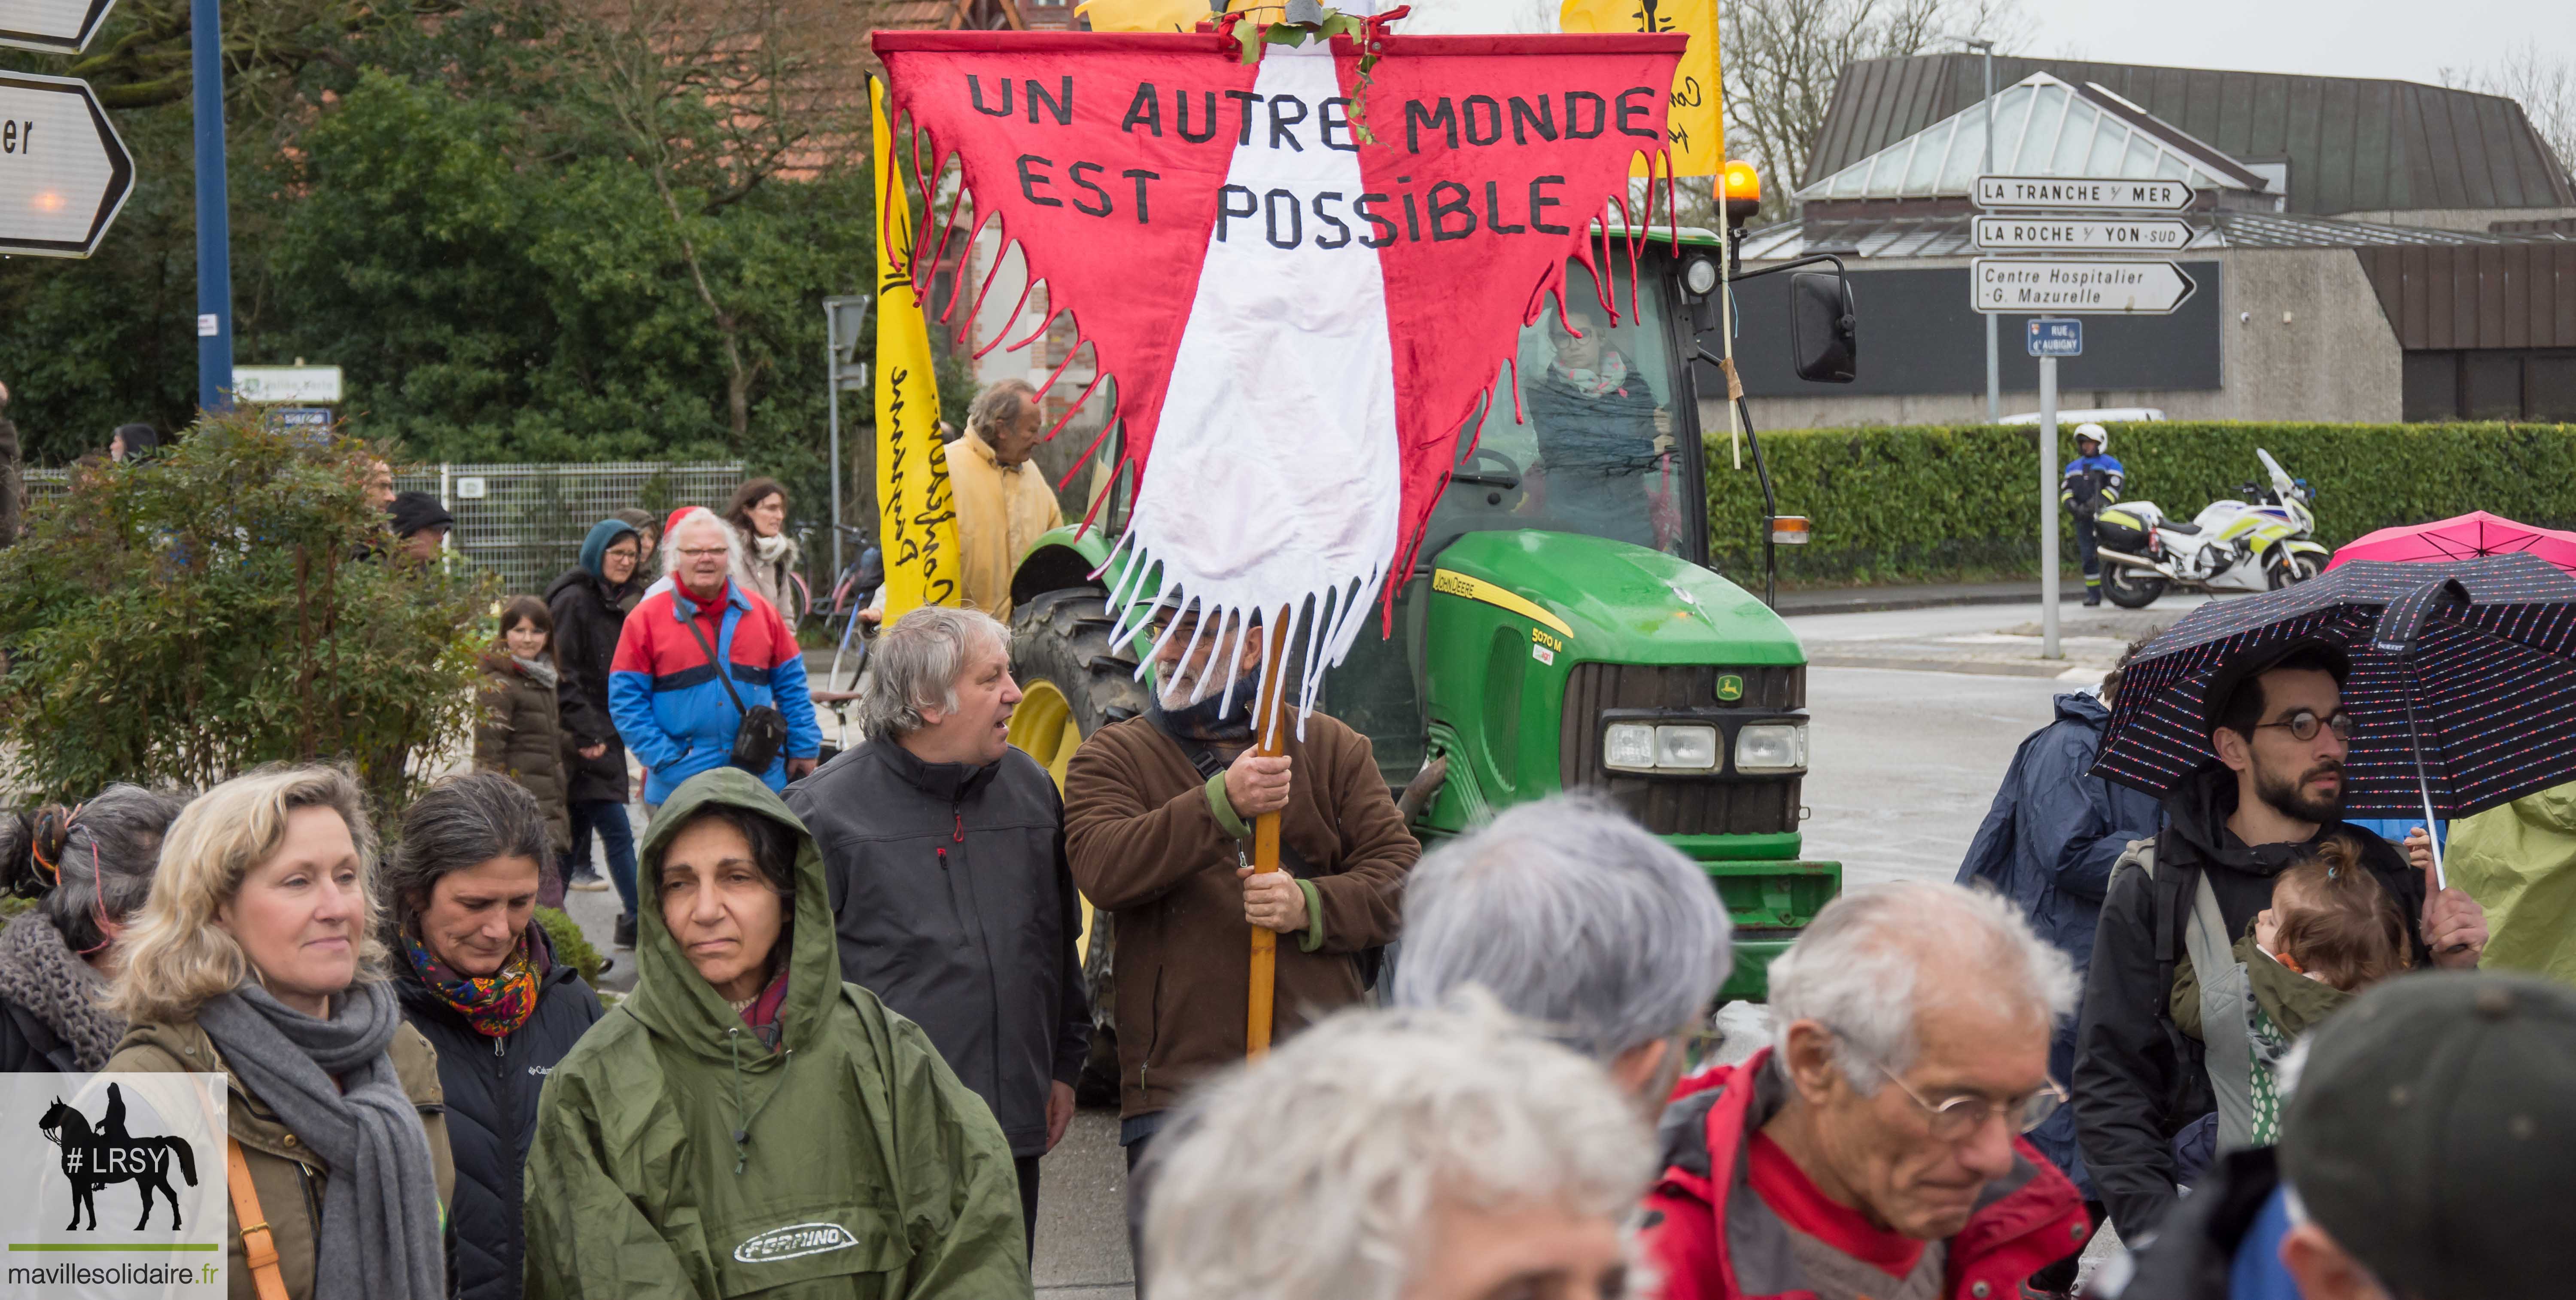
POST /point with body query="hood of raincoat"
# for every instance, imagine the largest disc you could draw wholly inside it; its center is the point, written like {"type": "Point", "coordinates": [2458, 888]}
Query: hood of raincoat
{"type": "Point", "coordinates": [604, 534]}
{"type": "Point", "coordinates": [670, 997]}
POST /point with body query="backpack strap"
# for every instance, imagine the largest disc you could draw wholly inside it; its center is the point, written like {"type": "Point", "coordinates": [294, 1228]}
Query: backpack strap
{"type": "Point", "coordinates": [259, 1244]}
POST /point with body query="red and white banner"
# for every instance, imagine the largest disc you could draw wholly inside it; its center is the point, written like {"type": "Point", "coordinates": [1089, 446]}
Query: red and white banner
{"type": "Point", "coordinates": [1303, 278]}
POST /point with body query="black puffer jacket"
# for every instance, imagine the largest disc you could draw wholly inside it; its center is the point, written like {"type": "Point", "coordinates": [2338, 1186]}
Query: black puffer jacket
{"type": "Point", "coordinates": [492, 1087]}
{"type": "Point", "coordinates": [2138, 1081]}
{"type": "Point", "coordinates": [28, 1045]}
{"type": "Point", "coordinates": [955, 905]}
{"type": "Point", "coordinates": [588, 618]}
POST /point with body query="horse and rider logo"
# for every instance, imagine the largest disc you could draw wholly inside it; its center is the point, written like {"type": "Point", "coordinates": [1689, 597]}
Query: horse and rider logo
{"type": "Point", "coordinates": [95, 1157]}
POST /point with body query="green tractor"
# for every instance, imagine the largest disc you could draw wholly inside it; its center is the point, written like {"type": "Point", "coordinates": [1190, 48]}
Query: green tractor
{"type": "Point", "coordinates": [1563, 630]}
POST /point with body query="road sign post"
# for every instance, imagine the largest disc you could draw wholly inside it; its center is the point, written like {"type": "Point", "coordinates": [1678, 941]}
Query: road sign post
{"type": "Point", "coordinates": [2082, 194]}
{"type": "Point", "coordinates": [54, 26]}
{"type": "Point", "coordinates": [2092, 286]}
{"type": "Point", "coordinates": [843, 319]}
{"type": "Point", "coordinates": [2083, 234]}
{"type": "Point", "coordinates": [64, 173]}
{"type": "Point", "coordinates": [214, 207]}
{"type": "Point", "coordinates": [2047, 504]}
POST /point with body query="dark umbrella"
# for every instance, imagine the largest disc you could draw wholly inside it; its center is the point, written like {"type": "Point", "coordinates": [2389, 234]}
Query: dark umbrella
{"type": "Point", "coordinates": [2463, 690]}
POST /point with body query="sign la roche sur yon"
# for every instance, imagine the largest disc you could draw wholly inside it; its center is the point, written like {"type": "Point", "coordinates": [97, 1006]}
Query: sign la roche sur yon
{"type": "Point", "coordinates": [118, 1186]}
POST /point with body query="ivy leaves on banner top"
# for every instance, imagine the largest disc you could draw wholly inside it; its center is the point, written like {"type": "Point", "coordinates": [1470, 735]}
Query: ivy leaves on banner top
{"type": "Point", "coordinates": [1305, 275]}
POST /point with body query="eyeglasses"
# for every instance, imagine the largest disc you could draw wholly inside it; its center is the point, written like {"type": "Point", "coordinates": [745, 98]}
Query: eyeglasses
{"type": "Point", "coordinates": [1957, 1117]}
{"type": "Point", "coordinates": [2302, 724]}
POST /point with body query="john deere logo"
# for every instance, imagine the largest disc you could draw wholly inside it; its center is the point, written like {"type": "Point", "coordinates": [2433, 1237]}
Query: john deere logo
{"type": "Point", "coordinates": [793, 1241]}
{"type": "Point", "coordinates": [1730, 688]}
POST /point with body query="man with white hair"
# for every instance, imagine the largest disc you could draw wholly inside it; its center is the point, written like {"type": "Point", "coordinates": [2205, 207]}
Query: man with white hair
{"type": "Point", "coordinates": [1605, 938]}
{"type": "Point", "coordinates": [944, 850]}
{"type": "Point", "coordinates": [1875, 1148]}
{"type": "Point", "coordinates": [671, 705]}
{"type": "Point", "coordinates": [1416, 1154]}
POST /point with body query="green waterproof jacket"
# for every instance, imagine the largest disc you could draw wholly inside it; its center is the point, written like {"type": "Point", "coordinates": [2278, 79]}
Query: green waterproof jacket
{"type": "Point", "coordinates": [675, 1156]}
{"type": "Point", "coordinates": [2519, 862]}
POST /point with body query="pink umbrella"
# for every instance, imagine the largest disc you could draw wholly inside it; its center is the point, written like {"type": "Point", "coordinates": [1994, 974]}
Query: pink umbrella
{"type": "Point", "coordinates": [2464, 537]}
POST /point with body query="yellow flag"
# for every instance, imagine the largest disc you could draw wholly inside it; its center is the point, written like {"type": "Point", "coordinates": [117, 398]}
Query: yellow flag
{"type": "Point", "coordinates": [1695, 126]}
{"type": "Point", "coordinates": [1144, 15]}
{"type": "Point", "coordinates": [916, 515]}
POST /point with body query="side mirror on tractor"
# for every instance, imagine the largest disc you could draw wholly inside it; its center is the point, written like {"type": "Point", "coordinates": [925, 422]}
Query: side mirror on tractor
{"type": "Point", "coordinates": [1824, 332]}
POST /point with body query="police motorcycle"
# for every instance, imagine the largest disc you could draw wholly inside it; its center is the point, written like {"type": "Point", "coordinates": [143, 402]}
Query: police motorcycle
{"type": "Point", "coordinates": [2264, 542]}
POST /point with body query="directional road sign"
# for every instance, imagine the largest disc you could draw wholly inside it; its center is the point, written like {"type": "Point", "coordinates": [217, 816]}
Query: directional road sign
{"type": "Point", "coordinates": [2056, 338]}
{"type": "Point", "coordinates": [2055, 286]}
{"type": "Point", "coordinates": [2081, 194]}
{"type": "Point", "coordinates": [63, 171]}
{"type": "Point", "coordinates": [54, 26]}
{"type": "Point", "coordinates": [2083, 234]}
{"type": "Point", "coordinates": [318, 385]}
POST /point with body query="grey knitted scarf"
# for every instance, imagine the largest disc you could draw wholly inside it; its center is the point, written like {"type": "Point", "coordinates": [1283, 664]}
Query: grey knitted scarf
{"type": "Point", "coordinates": [379, 1234]}
{"type": "Point", "coordinates": [40, 972]}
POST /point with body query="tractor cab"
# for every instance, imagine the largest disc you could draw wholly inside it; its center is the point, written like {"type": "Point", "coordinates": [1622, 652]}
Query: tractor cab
{"type": "Point", "coordinates": [1561, 629]}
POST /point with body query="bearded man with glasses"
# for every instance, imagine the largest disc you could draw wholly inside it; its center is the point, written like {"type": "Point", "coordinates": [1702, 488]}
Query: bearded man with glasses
{"type": "Point", "coordinates": [1876, 1149]}
{"type": "Point", "coordinates": [2278, 728]}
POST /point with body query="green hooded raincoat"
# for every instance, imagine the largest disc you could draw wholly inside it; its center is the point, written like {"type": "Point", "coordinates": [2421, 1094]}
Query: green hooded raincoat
{"type": "Point", "coordinates": [864, 1168]}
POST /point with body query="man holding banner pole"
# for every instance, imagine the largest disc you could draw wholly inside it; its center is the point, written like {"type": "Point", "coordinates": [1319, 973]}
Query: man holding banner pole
{"type": "Point", "coordinates": [1161, 814]}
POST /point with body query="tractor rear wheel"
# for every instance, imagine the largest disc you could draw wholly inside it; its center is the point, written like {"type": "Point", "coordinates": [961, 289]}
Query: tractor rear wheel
{"type": "Point", "coordinates": [1074, 681]}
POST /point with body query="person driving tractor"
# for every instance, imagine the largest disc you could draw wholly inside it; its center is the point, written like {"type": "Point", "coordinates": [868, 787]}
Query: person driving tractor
{"type": "Point", "coordinates": [2092, 482]}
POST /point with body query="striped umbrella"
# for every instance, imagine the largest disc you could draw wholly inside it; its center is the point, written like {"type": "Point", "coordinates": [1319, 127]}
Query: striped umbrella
{"type": "Point", "coordinates": [2463, 689]}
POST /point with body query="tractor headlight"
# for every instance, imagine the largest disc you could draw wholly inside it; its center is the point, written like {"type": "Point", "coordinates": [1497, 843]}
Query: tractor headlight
{"type": "Point", "coordinates": [1651, 747]}
{"type": "Point", "coordinates": [1629, 746]}
{"type": "Point", "coordinates": [1771, 747]}
{"type": "Point", "coordinates": [1686, 747]}
{"type": "Point", "coordinates": [1699, 276]}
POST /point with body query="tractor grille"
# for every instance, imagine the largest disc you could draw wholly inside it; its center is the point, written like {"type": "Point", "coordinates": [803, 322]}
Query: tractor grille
{"type": "Point", "coordinates": [1679, 805]}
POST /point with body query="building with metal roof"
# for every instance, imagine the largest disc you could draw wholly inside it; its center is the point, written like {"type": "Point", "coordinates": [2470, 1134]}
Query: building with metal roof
{"type": "Point", "coordinates": [2466, 311]}
{"type": "Point", "coordinates": [2389, 151]}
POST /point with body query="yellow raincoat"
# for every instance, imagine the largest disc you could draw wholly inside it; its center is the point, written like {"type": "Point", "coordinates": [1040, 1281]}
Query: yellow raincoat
{"type": "Point", "coordinates": [1001, 512]}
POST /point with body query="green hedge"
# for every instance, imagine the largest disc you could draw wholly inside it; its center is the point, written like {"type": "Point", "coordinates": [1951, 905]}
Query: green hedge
{"type": "Point", "coordinates": [1930, 503]}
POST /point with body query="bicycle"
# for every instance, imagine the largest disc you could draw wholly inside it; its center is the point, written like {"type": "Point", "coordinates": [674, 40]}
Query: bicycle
{"type": "Point", "coordinates": [851, 592]}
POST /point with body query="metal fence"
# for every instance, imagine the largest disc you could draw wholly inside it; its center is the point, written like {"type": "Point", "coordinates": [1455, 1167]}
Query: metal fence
{"type": "Point", "coordinates": [526, 522]}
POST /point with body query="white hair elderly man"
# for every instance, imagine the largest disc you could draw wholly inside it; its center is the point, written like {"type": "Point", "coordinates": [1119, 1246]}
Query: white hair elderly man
{"type": "Point", "coordinates": [1875, 1149]}
{"type": "Point", "coordinates": [1413, 1154]}
{"type": "Point", "coordinates": [944, 848]}
{"type": "Point", "coordinates": [1606, 938]}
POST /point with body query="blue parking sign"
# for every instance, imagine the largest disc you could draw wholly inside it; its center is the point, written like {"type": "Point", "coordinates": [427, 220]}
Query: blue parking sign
{"type": "Point", "coordinates": [2056, 338]}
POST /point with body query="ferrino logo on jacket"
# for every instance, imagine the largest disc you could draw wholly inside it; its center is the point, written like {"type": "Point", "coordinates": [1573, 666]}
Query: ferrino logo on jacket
{"type": "Point", "coordinates": [794, 1241]}
{"type": "Point", "coordinates": [668, 705]}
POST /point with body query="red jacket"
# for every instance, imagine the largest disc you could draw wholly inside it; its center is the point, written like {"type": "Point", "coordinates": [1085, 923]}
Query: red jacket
{"type": "Point", "coordinates": [2025, 1220]}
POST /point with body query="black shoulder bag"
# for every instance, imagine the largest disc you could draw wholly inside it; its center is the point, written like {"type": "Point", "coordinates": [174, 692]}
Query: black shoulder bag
{"type": "Point", "coordinates": [764, 729]}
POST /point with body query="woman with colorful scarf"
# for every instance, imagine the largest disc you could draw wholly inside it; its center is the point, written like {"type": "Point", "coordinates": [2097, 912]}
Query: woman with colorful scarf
{"type": "Point", "coordinates": [481, 984]}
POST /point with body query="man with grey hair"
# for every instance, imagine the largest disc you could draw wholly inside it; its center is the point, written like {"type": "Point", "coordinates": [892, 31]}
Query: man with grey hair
{"type": "Point", "coordinates": [1003, 502]}
{"type": "Point", "coordinates": [944, 850]}
{"type": "Point", "coordinates": [1875, 1149]}
{"type": "Point", "coordinates": [1416, 1154]}
{"type": "Point", "coordinates": [1604, 937]}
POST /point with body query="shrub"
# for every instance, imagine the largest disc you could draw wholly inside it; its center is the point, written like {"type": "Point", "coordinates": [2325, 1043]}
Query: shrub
{"type": "Point", "coordinates": [571, 947]}
{"type": "Point", "coordinates": [1923, 504]}
{"type": "Point", "coordinates": [225, 604]}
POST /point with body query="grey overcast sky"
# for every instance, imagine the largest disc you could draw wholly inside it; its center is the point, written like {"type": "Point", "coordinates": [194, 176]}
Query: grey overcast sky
{"type": "Point", "coordinates": [2409, 40]}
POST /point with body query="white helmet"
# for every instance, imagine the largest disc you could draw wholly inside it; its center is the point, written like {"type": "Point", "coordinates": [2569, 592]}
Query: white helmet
{"type": "Point", "coordinates": [2101, 440]}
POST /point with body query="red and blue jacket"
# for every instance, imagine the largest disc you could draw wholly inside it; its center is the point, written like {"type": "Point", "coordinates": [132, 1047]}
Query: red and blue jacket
{"type": "Point", "coordinates": [665, 699]}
